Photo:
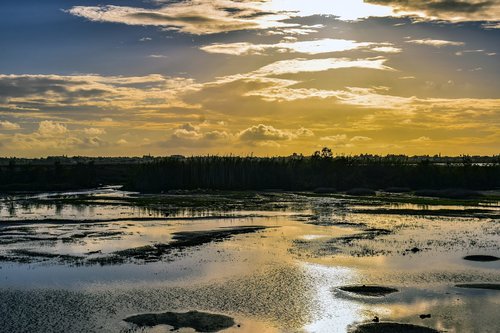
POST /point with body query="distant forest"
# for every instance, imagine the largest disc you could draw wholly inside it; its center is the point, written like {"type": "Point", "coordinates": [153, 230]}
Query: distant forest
{"type": "Point", "coordinates": [321, 172]}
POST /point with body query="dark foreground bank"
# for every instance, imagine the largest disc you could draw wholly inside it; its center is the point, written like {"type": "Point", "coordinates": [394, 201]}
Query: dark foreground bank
{"type": "Point", "coordinates": [320, 172]}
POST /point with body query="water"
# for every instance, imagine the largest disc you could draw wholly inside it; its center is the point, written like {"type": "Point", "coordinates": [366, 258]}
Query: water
{"type": "Point", "coordinates": [55, 275]}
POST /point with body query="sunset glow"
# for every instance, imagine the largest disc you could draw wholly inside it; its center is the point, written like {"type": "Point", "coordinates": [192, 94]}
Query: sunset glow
{"type": "Point", "coordinates": [262, 77]}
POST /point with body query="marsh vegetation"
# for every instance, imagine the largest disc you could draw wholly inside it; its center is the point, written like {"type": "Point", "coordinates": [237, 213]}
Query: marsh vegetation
{"type": "Point", "coordinates": [452, 177]}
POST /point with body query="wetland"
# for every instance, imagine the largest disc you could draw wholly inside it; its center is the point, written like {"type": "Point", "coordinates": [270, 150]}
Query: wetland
{"type": "Point", "coordinates": [108, 260]}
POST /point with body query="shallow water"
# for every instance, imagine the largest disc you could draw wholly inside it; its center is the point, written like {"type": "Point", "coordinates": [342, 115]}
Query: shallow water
{"type": "Point", "coordinates": [55, 274]}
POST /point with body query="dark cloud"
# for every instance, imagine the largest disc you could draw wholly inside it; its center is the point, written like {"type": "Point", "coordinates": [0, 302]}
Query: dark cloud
{"type": "Point", "coordinates": [167, 19]}
{"type": "Point", "coordinates": [437, 6]}
{"type": "Point", "coordinates": [26, 86]}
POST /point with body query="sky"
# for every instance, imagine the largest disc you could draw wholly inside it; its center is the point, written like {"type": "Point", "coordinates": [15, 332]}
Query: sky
{"type": "Point", "coordinates": [261, 77]}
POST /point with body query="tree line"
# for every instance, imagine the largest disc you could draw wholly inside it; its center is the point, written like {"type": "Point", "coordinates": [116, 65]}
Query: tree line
{"type": "Point", "coordinates": [321, 170]}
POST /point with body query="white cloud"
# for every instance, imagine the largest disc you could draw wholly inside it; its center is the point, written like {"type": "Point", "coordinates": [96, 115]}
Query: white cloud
{"type": "Point", "coordinates": [387, 49]}
{"type": "Point", "coordinates": [435, 42]}
{"type": "Point", "coordinates": [343, 9]}
{"type": "Point", "coordinates": [294, 66]}
{"type": "Point", "coordinates": [492, 25]}
{"type": "Point", "coordinates": [342, 140]}
{"type": "Point", "coordinates": [92, 131]}
{"type": "Point", "coordinates": [96, 92]}
{"type": "Point", "coordinates": [307, 47]}
{"type": "Point", "coordinates": [7, 125]}
{"type": "Point", "coordinates": [189, 135]}
{"type": "Point", "coordinates": [55, 136]}
{"type": "Point", "coordinates": [312, 47]}
{"type": "Point", "coordinates": [182, 133]}
{"type": "Point", "coordinates": [360, 139]}
{"type": "Point", "coordinates": [189, 16]}
{"type": "Point", "coordinates": [422, 139]}
{"type": "Point", "coordinates": [339, 138]}
{"type": "Point", "coordinates": [50, 128]}
{"type": "Point", "coordinates": [444, 10]}
{"type": "Point", "coordinates": [215, 16]}
{"type": "Point", "coordinates": [263, 132]}
{"type": "Point", "coordinates": [243, 48]}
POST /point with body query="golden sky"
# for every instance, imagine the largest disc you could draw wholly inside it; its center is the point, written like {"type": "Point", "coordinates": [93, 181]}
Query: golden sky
{"type": "Point", "coordinates": [268, 77]}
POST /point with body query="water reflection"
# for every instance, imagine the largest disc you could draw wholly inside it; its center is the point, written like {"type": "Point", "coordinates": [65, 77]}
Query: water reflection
{"type": "Point", "coordinates": [283, 278]}
{"type": "Point", "coordinates": [331, 313]}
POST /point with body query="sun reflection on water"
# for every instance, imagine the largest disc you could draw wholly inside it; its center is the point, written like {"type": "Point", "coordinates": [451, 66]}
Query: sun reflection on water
{"type": "Point", "coordinates": [333, 314]}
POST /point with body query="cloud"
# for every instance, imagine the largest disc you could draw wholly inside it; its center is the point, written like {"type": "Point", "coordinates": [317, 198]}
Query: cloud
{"type": "Point", "coordinates": [387, 49]}
{"type": "Point", "coordinates": [92, 131]}
{"type": "Point", "coordinates": [275, 89]}
{"type": "Point", "coordinates": [263, 132]}
{"type": "Point", "coordinates": [361, 139]}
{"type": "Point", "coordinates": [435, 42]}
{"type": "Point", "coordinates": [299, 65]}
{"type": "Point", "coordinates": [7, 125]}
{"type": "Point", "coordinates": [339, 138]}
{"type": "Point", "coordinates": [54, 136]}
{"type": "Point", "coordinates": [318, 46]}
{"type": "Point", "coordinates": [242, 48]}
{"type": "Point", "coordinates": [189, 135]}
{"type": "Point", "coordinates": [492, 25]}
{"type": "Point", "coordinates": [303, 31]}
{"type": "Point", "coordinates": [421, 140]}
{"type": "Point", "coordinates": [93, 92]}
{"type": "Point", "coordinates": [216, 135]}
{"type": "Point", "coordinates": [182, 133]}
{"type": "Point", "coordinates": [282, 90]}
{"type": "Point", "coordinates": [343, 141]}
{"type": "Point", "coordinates": [348, 10]}
{"type": "Point", "coordinates": [463, 52]}
{"type": "Point", "coordinates": [448, 10]}
{"type": "Point", "coordinates": [304, 132]}
{"type": "Point", "coordinates": [306, 47]}
{"type": "Point", "coordinates": [48, 128]}
{"type": "Point", "coordinates": [216, 16]}
{"type": "Point", "coordinates": [190, 16]}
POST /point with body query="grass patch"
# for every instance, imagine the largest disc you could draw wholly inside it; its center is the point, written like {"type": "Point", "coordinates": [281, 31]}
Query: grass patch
{"type": "Point", "coordinates": [199, 321]}
{"type": "Point", "coordinates": [183, 240]}
{"type": "Point", "coordinates": [374, 291]}
{"type": "Point", "coordinates": [392, 328]}
{"type": "Point", "coordinates": [487, 286]}
{"type": "Point", "coordinates": [482, 258]}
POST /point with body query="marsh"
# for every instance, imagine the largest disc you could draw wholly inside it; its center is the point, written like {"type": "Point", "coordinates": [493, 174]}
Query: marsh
{"type": "Point", "coordinates": [107, 260]}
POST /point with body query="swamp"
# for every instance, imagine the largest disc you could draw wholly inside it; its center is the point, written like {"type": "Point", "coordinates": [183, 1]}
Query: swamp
{"type": "Point", "coordinates": [109, 260]}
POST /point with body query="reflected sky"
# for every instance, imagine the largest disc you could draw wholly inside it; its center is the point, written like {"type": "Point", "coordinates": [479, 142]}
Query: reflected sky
{"type": "Point", "coordinates": [281, 279]}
